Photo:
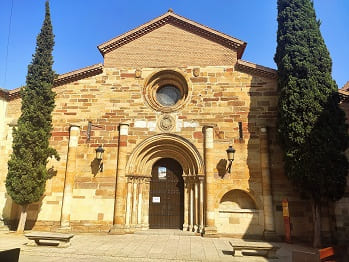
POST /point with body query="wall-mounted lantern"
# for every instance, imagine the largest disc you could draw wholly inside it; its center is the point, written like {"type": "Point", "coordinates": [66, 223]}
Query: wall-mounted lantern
{"type": "Point", "coordinates": [230, 155]}
{"type": "Point", "coordinates": [99, 156]}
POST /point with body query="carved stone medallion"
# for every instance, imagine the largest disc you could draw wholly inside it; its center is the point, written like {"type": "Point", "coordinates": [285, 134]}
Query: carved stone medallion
{"type": "Point", "coordinates": [166, 123]}
{"type": "Point", "coordinates": [138, 73]}
{"type": "Point", "coordinates": [196, 72]}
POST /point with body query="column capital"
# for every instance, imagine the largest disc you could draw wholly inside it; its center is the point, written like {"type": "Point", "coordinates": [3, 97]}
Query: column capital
{"type": "Point", "coordinates": [206, 126]}
{"type": "Point", "coordinates": [147, 180]}
{"type": "Point", "coordinates": [73, 128]}
{"type": "Point", "coordinates": [201, 177]}
{"type": "Point", "coordinates": [123, 128]}
{"type": "Point", "coordinates": [74, 125]}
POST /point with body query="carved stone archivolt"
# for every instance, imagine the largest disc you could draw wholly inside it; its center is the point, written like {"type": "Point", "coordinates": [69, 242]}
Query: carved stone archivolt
{"type": "Point", "coordinates": [163, 146]}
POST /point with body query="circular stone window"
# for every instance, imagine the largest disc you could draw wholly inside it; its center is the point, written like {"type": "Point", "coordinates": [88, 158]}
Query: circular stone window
{"type": "Point", "coordinates": [166, 91]}
{"type": "Point", "coordinates": [168, 95]}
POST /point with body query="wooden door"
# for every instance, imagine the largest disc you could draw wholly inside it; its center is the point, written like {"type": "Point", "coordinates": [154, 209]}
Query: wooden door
{"type": "Point", "coordinates": [166, 195]}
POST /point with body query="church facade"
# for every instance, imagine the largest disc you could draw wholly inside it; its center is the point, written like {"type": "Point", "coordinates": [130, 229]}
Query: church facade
{"type": "Point", "coordinates": [143, 139]}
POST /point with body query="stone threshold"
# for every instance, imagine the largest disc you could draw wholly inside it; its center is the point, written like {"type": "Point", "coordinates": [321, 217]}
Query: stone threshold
{"type": "Point", "coordinates": [173, 232]}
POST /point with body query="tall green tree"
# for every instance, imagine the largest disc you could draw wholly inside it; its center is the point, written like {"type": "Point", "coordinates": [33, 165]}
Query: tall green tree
{"type": "Point", "coordinates": [311, 124]}
{"type": "Point", "coordinates": [27, 172]}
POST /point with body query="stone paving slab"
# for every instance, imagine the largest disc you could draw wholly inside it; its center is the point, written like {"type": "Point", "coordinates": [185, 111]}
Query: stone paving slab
{"type": "Point", "coordinates": [137, 247]}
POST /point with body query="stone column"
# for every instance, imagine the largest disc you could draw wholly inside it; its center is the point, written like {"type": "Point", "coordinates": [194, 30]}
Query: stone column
{"type": "Point", "coordinates": [140, 202]}
{"type": "Point", "coordinates": [135, 202]}
{"type": "Point", "coordinates": [269, 225]}
{"type": "Point", "coordinates": [145, 208]}
{"type": "Point", "coordinates": [201, 181]}
{"type": "Point", "coordinates": [196, 205]}
{"type": "Point", "coordinates": [120, 194]}
{"type": "Point", "coordinates": [128, 202]}
{"type": "Point", "coordinates": [210, 228]}
{"type": "Point", "coordinates": [186, 203]}
{"type": "Point", "coordinates": [70, 171]}
{"type": "Point", "coordinates": [191, 210]}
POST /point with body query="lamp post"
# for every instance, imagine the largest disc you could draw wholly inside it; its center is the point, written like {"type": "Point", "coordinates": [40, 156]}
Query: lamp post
{"type": "Point", "coordinates": [230, 155]}
{"type": "Point", "coordinates": [99, 156]}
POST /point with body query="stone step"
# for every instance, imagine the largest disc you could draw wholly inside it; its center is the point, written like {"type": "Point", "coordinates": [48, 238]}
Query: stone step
{"type": "Point", "coordinates": [175, 232]}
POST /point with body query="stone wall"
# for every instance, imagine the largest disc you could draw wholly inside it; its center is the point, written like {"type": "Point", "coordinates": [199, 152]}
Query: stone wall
{"type": "Point", "coordinates": [219, 95]}
{"type": "Point", "coordinates": [3, 159]}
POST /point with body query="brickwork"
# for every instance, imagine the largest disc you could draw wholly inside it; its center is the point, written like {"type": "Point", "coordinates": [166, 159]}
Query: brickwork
{"type": "Point", "coordinates": [169, 46]}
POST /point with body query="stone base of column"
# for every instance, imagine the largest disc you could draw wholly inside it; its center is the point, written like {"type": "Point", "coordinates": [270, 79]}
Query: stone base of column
{"type": "Point", "coordinates": [118, 230]}
{"type": "Point", "coordinates": [145, 226]}
{"type": "Point", "coordinates": [271, 236]}
{"type": "Point", "coordinates": [202, 230]}
{"type": "Point", "coordinates": [185, 227]}
{"type": "Point", "coordinates": [210, 232]}
{"type": "Point", "coordinates": [64, 229]}
{"type": "Point", "coordinates": [3, 227]}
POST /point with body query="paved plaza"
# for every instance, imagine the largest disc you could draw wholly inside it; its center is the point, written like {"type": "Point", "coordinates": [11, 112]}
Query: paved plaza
{"type": "Point", "coordinates": [152, 246]}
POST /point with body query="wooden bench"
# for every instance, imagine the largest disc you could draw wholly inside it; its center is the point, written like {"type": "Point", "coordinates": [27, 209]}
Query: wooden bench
{"type": "Point", "coordinates": [269, 250]}
{"type": "Point", "coordinates": [49, 238]}
{"type": "Point", "coordinates": [325, 254]}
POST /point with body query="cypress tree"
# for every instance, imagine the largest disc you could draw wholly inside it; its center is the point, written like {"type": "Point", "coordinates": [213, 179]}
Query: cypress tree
{"type": "Point", "coordinates": [311, 124]}
{"type": "Point", "coordinates": [27, 172]}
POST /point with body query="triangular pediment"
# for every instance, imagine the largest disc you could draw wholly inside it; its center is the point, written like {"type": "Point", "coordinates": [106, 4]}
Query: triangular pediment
{"type": "Point", "coordinates": [168, 22]}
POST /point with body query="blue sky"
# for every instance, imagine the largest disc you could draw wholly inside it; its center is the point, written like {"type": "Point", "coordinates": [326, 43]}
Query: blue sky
{"type": "Point", "coordinates": [80, 25]}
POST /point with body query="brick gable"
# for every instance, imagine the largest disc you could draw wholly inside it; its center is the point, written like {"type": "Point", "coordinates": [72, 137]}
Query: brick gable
{"type": "Point", "coordinates": [170, 46]}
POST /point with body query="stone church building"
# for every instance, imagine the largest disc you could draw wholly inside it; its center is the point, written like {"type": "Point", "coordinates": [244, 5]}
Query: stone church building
{"type": "Point", "coordinates": [169, 99]}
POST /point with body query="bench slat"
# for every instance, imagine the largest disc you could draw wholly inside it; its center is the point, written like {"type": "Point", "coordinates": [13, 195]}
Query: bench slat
{"type": "Point", "coordinates": [326, 252]}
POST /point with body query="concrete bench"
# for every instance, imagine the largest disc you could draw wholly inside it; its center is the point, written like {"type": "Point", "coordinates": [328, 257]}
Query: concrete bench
{"type": "Point", "coordinates": [269, 250]}
{"type": "Point", "coordinates": [10, 255]}
{"type": "Point", "coordinates": [49, 238]}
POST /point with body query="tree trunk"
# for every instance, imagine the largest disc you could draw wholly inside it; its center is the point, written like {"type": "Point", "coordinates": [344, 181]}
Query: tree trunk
{"type": "Point", "coordinates": [22, 219]}
{"type": "Point", "coordinates": [332, 221]}
{"type": "Point", "coordinates": [317, 223]}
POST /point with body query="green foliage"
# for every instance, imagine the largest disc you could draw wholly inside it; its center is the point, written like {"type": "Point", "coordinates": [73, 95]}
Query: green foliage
{"type": "Point", "coordinates": [27, 173]}
{"type": "Point", "coordinates": [311, 124]}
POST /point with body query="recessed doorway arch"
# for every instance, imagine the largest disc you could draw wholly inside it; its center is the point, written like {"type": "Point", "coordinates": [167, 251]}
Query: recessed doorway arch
{"type": "Point", "coordinates": [139, 171]}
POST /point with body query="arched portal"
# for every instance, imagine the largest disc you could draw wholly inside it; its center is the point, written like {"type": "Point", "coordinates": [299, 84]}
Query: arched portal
{"type": "Point", "coordinates": [165, 149]}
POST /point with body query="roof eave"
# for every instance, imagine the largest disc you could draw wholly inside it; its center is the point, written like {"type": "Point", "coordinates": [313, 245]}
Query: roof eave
{"type": "Point", "coordinates": [249, 67]}
{"type": "Point", "coordinates": [177, 20]}
{"type": "Point", "coordinates": [63, 79]}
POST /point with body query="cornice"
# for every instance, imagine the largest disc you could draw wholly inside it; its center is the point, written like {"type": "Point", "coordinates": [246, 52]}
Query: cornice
{"type": "Point", "coordinates": [4, 93]}
{"type": "Point", "coordinates": [78, 74]}
{"type": "Point", "coordinates": [343, 95]}
{"type": "Point", "coordinates": [60, 80]}
{"type": "Point", "coordinates": [179, 21]}
{"type": "Point", "coordinates": [252, 68]}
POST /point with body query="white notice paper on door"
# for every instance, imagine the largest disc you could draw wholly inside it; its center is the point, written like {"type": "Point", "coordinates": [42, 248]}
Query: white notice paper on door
{"type": "Point", "coordinates": [156, 199]}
